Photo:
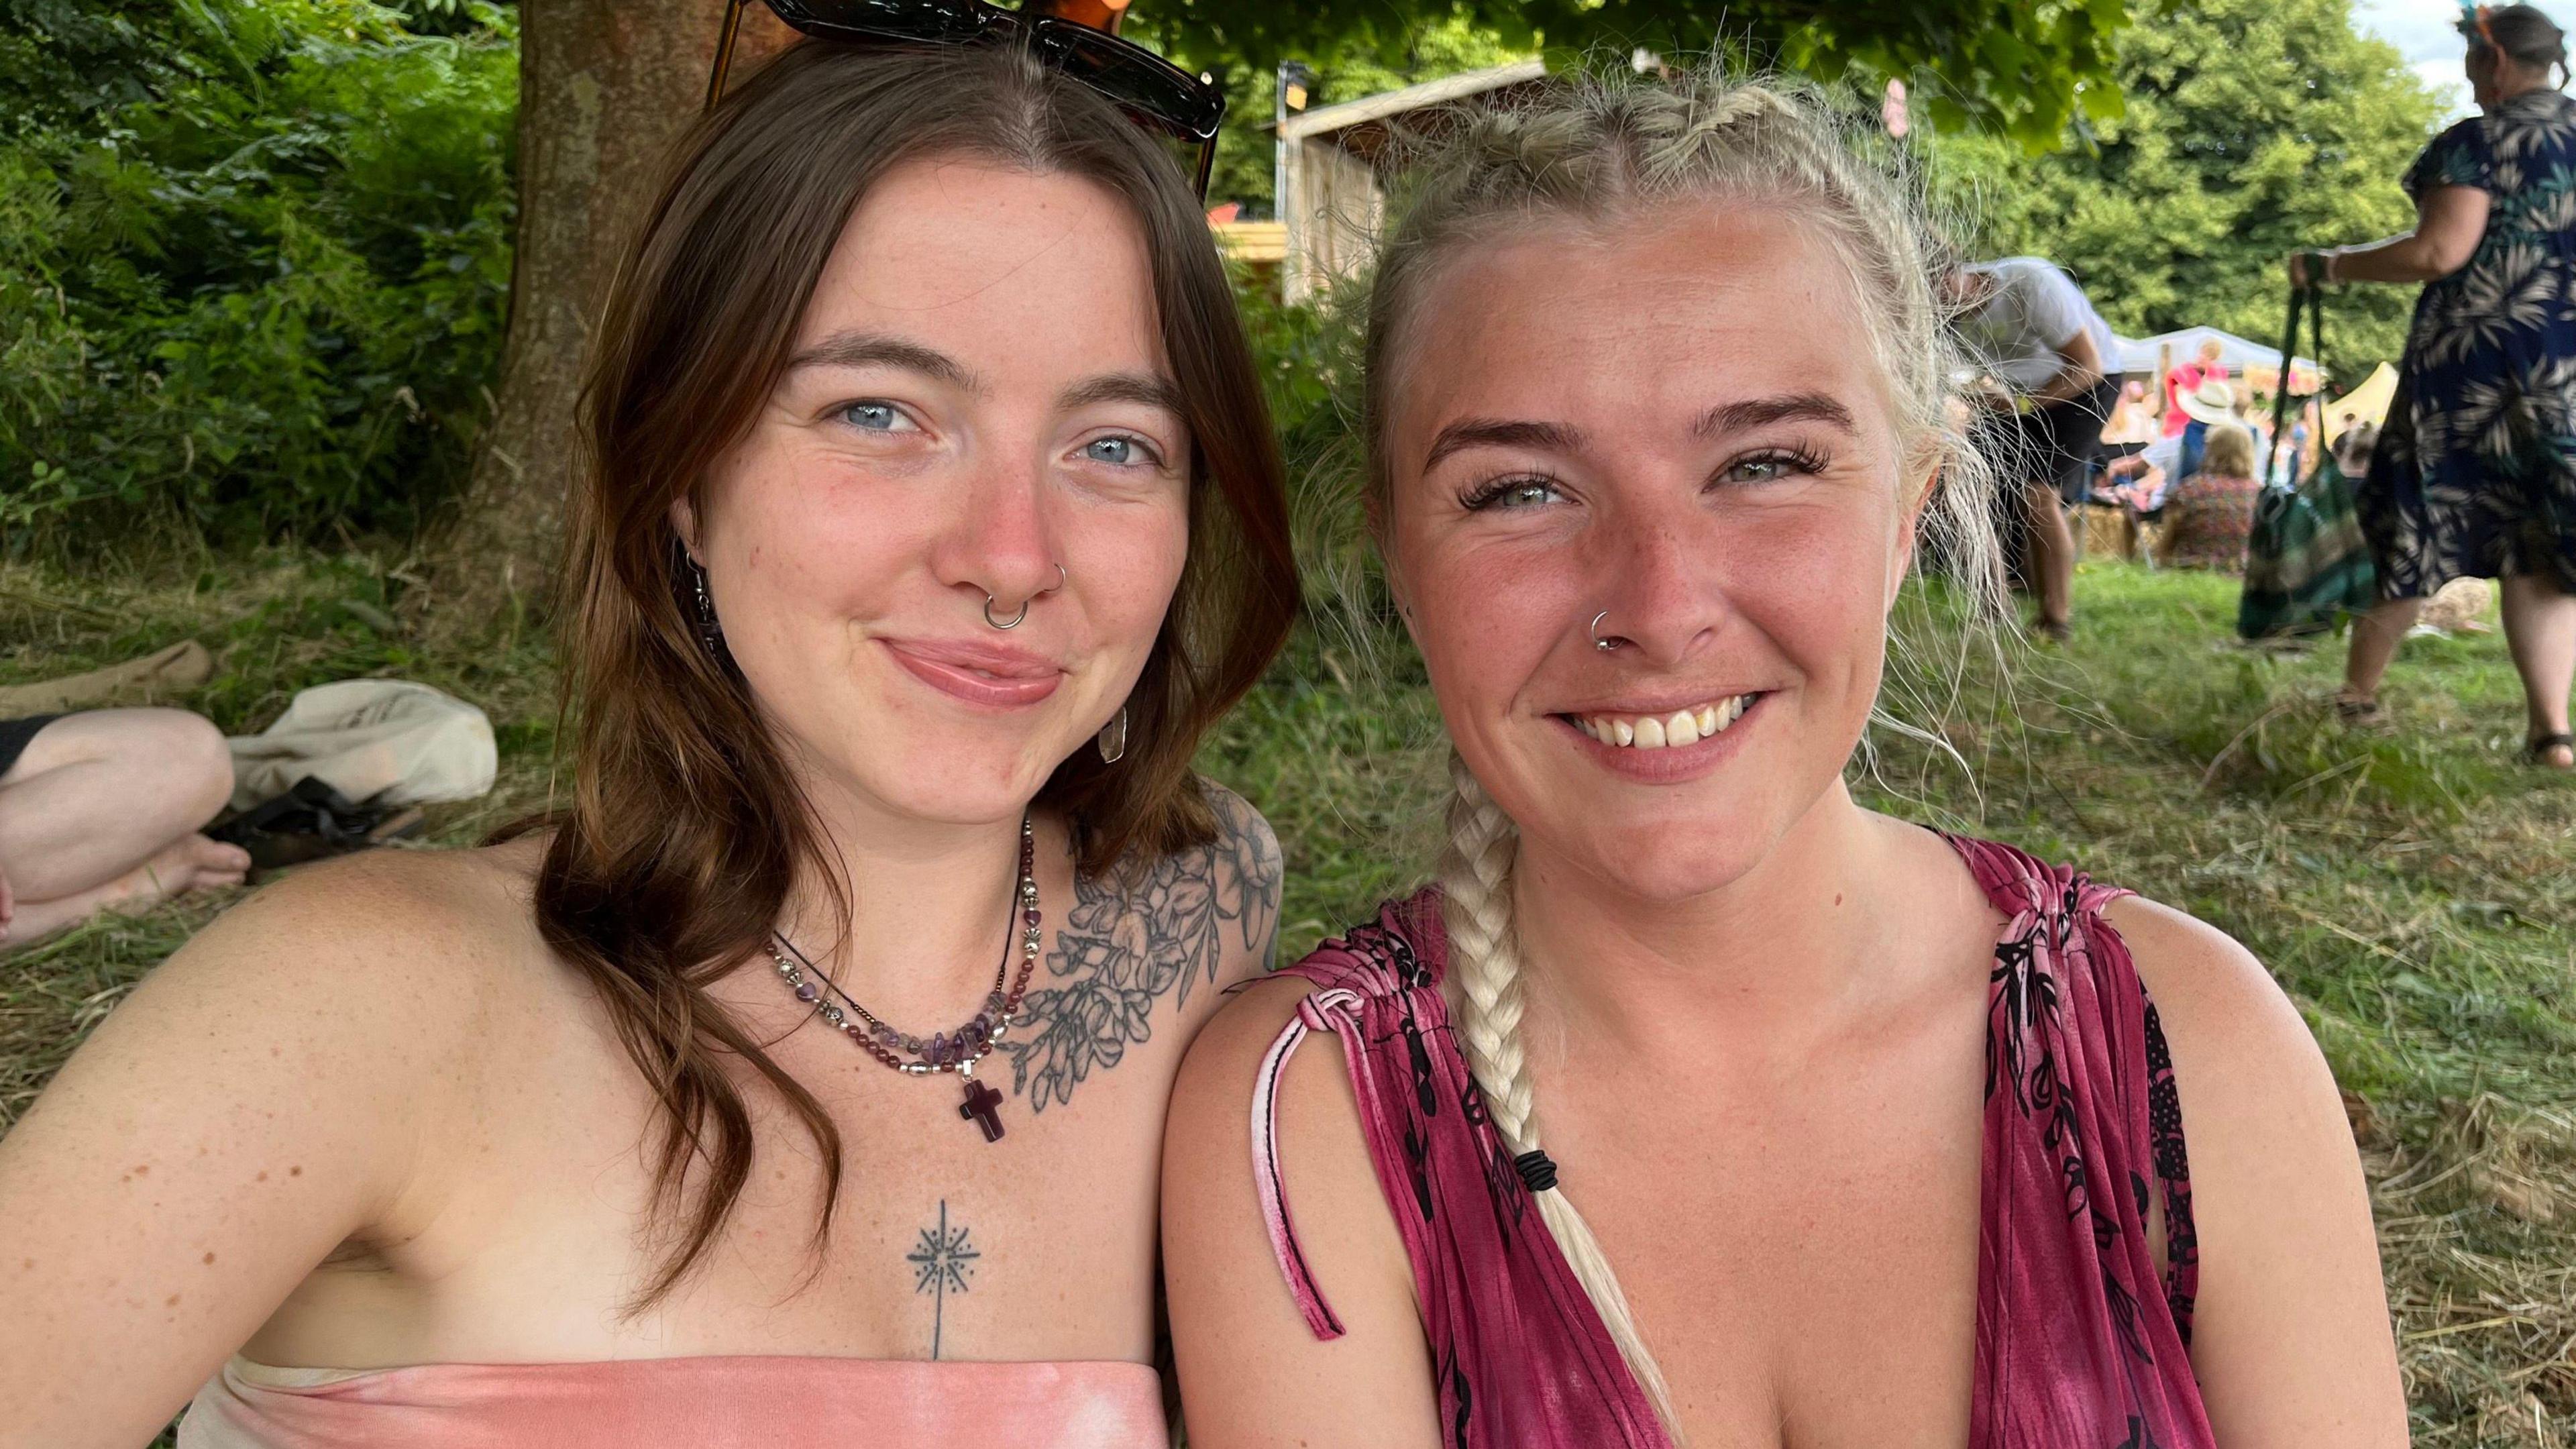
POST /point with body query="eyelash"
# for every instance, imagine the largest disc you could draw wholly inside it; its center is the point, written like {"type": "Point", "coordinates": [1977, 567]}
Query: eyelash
{"type": "Point", "coordinates": [1491, 493]}
{"type": "Point", "coordinates": [1797, 459]}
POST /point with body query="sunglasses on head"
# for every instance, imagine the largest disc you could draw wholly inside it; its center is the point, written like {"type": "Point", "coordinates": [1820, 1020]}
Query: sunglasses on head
{"type": "Point", "coordinates": [1152, 91]}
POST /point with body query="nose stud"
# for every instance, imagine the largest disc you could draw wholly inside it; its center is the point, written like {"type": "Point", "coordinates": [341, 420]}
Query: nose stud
{"type": "Point", "coordinates": [1604, 645]}
{"type": "Point", "coordinates": [1061, 579]}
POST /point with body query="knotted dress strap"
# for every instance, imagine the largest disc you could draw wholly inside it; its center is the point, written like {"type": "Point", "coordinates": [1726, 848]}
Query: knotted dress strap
{"type": "Point", "coordinates": [1334, 1009]}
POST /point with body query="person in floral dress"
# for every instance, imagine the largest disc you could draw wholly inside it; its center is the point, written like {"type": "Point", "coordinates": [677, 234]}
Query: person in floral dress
{"type": "Point", "coordinates": [2475, 473]}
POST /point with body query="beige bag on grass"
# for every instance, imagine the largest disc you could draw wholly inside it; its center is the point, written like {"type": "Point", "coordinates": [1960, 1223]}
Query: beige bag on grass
{"type": "Point", "coordinates": [367, 738]}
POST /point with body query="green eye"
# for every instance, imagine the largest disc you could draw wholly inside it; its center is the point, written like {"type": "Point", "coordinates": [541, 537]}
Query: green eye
{"type": "Point", "coordinates": [1772, 467]}
{"type": "Point", "coordinates": [1513, 493]}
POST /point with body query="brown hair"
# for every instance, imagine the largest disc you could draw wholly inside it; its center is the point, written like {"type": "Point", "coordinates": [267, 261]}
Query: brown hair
{"type": "Point", "coordinates": [686, 828]}
{"type": "Point", "coordinates": [2524, 32]}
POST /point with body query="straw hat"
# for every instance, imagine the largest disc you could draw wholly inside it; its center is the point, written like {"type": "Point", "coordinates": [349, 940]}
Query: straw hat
{"type": "Point", "coordinates": [2212, 402]}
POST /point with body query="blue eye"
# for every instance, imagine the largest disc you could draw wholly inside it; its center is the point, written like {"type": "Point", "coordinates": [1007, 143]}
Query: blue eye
{"type": "Point", "coordinates": [1117, 450]}
{"type": "Point", "coordinates": [874, 417]}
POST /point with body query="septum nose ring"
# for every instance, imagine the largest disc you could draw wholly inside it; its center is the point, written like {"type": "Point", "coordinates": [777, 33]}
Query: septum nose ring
{"type": "Point", "coordinates": [1604, 645]}
{"type": "Point", "coordinates": [1013, 622]}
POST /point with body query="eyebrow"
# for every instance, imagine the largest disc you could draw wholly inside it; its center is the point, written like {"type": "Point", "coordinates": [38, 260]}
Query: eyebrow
{"type": "Point", "coordinates": [1142, 388]}
{"type": "Point", "coordinates": [1500, 433]}
{"type": "Point", "coordinates": [1735, 417]}
{"type": "Point", "coordinates": [875, 349]}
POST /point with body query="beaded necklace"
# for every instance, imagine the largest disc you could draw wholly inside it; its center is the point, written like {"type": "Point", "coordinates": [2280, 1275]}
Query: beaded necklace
{"type": "Point", "coordinates": [948, 1051]}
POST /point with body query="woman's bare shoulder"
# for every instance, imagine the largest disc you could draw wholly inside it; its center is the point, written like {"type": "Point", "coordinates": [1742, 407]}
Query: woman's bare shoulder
{"type": "Point", "coordinates": [2206, 985]}
{"type": "Point", "coordinates": [409, 943]}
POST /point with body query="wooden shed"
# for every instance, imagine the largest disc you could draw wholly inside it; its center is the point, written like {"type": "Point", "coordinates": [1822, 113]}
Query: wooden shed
{"type": "Point", "coordinates": [1334, 199]}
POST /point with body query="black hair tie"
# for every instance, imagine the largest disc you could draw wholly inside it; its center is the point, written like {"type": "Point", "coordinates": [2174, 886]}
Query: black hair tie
{"type": "Point", "coordinates": [1537, 1170]}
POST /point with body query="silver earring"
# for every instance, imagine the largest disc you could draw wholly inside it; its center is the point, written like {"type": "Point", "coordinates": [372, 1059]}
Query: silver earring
{"type": "Point", "coordinates": [710, 629]}
{"type": "Point", "coordinates": [1604, 645]}
{"type": "Point", "coordinates": [1113, 738]}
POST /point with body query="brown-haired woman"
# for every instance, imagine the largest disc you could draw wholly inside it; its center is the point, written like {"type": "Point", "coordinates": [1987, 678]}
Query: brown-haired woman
{"type": "Point", "coordinates": [932, 517]}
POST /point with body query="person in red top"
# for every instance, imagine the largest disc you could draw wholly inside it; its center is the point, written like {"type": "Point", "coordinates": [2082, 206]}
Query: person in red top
{"type": "Point", "coordinates": [2182, 380]}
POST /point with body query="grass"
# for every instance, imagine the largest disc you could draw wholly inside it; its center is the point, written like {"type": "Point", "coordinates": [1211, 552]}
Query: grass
{"type": "Point", "coordinates": [2412, 889]}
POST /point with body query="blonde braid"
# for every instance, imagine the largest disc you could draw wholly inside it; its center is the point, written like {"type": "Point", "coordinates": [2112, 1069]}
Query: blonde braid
{"type": "Point", "coordinates": [1485, 961]}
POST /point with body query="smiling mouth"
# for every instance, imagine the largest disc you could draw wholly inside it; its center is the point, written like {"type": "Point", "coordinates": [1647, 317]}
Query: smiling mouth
{"type": "Point", "coordinates": [1664, 731]}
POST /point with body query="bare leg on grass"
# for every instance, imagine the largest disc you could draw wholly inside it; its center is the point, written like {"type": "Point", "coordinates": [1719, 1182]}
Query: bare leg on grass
{"type": "Point", "coordinates": [101, 811]}
{"type": "Point", "coordinates": [2540, 629]}
{"type": "Point", "coordinates": [2375, 637]}
{"type": "Point", "coordinates": [2052, 554]}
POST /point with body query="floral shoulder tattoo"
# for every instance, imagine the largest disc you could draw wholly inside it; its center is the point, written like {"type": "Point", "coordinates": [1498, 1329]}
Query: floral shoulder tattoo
{"type": "Point", "coordinates": [1150, 929]}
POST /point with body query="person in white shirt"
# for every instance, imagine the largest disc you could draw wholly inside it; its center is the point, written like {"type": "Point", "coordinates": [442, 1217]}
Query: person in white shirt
{"type": "Point", "coordinates": [2046, 350]}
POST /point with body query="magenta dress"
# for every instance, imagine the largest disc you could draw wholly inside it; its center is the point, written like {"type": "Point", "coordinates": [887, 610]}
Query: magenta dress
{"type": "Point", "coordinates": [2079, 1345]}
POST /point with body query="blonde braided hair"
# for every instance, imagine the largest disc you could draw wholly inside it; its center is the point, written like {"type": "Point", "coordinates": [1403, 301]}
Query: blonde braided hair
{"type": "Point", "coordinates": [1596, 149]}
{"type": "Point", "coordinates": [1484, 959]}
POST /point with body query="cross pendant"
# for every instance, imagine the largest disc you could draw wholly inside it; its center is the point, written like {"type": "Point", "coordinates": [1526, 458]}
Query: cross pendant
{"type": "Point", "coordinates": [978, 1108]}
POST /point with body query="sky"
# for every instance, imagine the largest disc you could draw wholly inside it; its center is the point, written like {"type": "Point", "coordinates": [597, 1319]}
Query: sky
{"type": "Point", "coordinates": [2427, 33]}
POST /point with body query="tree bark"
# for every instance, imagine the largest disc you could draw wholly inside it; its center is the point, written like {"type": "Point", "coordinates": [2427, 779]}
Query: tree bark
{"type": "Point", "coordinates": [605, 88]}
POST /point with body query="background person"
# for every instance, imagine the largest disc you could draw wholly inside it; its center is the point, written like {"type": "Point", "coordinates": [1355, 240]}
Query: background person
{"type": "Point", "coordinates": [101, 811]}
{"type": "Point", "coordinates": [2205, 365]}
{"type": "Point", "coordinates": [2209, 515]}
{"type": "Point", "coordinates": [2031, 328]}
{"type": "Point", "coordinates": [2474, 473]}
{"type": "Point", "coordinates": [2214, 402]}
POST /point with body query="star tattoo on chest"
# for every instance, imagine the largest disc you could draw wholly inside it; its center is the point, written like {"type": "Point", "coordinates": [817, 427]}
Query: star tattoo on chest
{"type": "Point", "coordinates": [943, 1263]}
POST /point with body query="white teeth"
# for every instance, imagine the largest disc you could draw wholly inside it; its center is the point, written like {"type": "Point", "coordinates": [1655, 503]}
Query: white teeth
{"type": "Point", "coordinates": [1655, 732]}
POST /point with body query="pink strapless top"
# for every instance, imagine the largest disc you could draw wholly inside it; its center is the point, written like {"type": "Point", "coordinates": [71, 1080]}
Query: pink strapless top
{"type": "Point", "coordinates": [681, 1403]}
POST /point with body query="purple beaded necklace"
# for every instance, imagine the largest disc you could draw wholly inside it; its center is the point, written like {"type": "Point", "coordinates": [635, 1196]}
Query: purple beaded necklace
{"type": "Point", "coordinates": [948, 1051]}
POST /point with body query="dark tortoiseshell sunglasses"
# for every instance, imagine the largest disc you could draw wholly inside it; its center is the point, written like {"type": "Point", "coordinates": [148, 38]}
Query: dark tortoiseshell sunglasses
{"type": "Point", "coordinates": [1152, 91]}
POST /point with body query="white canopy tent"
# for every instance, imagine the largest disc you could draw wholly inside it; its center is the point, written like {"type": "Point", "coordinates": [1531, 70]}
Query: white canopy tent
{"type": "Point", "coordinates": [2141, 355]}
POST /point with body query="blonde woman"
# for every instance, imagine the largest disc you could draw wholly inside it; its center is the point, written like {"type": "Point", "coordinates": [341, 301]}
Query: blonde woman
{"type": "Point", "coordinates": [1698, 1104]}
{"type": "Point", "coordinates": [2209, 515]}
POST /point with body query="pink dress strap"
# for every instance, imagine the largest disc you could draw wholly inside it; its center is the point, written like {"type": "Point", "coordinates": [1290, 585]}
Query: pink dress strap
{"type": "Point", "coordinates": [2075, 1344]}
{"type": "Point", "coordinates": [1521, 1358]}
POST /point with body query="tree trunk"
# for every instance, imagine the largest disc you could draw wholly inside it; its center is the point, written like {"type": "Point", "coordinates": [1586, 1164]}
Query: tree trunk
{"type": "Point", "coordinates": [605, 88]}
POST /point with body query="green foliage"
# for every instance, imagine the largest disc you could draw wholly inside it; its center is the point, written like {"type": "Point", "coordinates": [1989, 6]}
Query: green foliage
{"type": "Point", "coordinates": [2020, 69]}
{"type": "Point", "coordinates": [2253, 127]}
{"type": "Point", "coordinates": [1380, 50]}
{"type": "Point", "coordinates": [255, 277]}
